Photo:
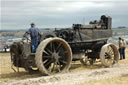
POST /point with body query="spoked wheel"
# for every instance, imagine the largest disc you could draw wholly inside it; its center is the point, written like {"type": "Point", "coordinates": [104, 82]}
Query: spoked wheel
{"type": "Point", "coordinates": [53, 55]}
{"type": "Point", "coordinates": [109, 55]}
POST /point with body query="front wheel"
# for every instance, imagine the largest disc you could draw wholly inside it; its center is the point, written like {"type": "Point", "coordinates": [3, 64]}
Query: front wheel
{"type": "Point", "coordinates": [109, 55]}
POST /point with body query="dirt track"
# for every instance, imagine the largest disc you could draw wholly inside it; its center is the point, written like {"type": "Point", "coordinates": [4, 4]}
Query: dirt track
{"type": "Point", "coordinates": [78, 74]}
{"type": "Point", "coordinates": [75, 78]}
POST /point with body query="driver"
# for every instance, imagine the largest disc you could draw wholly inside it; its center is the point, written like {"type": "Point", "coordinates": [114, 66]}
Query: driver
{"type": "Point", "coordinates": [34, 34]}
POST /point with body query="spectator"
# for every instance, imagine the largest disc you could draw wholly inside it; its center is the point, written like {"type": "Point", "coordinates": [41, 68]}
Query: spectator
{"type": "Point", "coordinates": [120, 48]}
{"type": "Point", "coordinates": [123, 49]}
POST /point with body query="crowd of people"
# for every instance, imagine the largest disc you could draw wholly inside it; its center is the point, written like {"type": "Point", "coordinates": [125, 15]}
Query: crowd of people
{"type": "Point", "coordinates": [122, 46]}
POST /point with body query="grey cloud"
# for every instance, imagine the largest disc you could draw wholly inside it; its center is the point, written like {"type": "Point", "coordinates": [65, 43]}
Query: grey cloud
{"type": "Point", "coordinates": [18, 14]}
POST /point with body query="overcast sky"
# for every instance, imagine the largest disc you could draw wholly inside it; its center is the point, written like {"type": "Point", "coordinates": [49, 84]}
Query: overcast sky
{"type": "Point", "coordinates": [18, 14]}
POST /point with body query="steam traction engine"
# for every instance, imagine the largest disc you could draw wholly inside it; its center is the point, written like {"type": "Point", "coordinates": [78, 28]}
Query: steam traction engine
{"type": "Point", "coordinates": [58, 48]}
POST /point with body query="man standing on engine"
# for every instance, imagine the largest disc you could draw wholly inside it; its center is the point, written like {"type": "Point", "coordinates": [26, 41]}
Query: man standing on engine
{"type": "Point", "coordinates": [34, 34]}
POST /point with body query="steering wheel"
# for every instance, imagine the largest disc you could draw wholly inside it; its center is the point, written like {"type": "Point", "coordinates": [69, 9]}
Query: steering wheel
{"type": "Point", "coordinates": [27, 38]}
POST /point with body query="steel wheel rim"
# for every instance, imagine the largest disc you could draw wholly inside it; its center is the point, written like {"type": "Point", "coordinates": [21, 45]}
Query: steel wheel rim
{"type": "Point", "coordinates": [55, 57]}
{"type": "Point", "coordinates": [109, 55]}
{"type": "Point", "coordinates": [42, 57]}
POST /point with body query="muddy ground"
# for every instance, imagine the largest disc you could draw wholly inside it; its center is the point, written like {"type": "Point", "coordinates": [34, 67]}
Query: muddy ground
{"type": "Point", "coordinates": [78, 74]}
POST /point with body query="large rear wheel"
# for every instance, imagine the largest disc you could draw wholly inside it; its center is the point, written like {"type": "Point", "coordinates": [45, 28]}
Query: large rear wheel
{"type": "Point", "coordinates": [53, 55]}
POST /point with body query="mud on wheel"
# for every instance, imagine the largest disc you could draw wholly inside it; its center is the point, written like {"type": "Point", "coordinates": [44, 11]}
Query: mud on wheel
{"type": "Point", "coordinates": [53, 55]}
{"type": "Point", "coordinates": [109, 55]}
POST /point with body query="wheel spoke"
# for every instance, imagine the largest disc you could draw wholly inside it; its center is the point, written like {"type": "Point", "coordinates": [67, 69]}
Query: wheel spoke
{"type": "Point", "coordinates": [54, 46]}
{"type": "Point", "coordinates": [49, 50]}
{"type": "Point", "coordinates": [59, 46]}
{"type": "Point", "coordinates": [46, 57]}
{"type": "Point", "coordinates": [111, 54]}
{"type": "Point", "coordinates": [52, 69]}
{"type": "Point", "coordinates": [62, 53]}
{"type": "Point", "coordinates": [47, 64]}
{"type": "Point", "coordinates": [63, 61]}
{"type": "Point", "coordinates": [45, 60]}
{"type": "Point", "coordinates": [110, 51]}
{"type": "Point", "coordinates": [51, 46]}
{"type": "Point", "coordinates": [109, 59]}
{"type": "Point", "coordinates": [59, 65]}
{"type": "Point", "coordinates": [46, 52]}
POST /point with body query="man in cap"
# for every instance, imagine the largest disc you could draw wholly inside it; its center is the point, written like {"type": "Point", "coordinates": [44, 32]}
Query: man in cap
{"type": "Point", "coordinates": [34, 34]}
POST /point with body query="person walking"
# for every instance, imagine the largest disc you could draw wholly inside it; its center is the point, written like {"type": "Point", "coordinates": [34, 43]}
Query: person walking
{"type": "Point", "coordinates": [34, 34]}
{"type": "Point", "coordinates": [123, 48]}
{"type": "Point", "coordinates": [120, 48]}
